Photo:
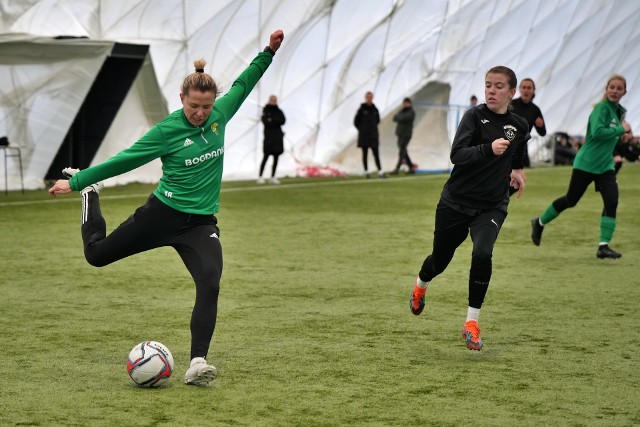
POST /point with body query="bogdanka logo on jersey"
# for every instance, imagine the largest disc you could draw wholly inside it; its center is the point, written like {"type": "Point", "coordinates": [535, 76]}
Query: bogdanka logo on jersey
{"type": "Point", "coordinates": [510, 132]}
{"type": "Point", "coordinates": [206, 156]}
{"type": "Point", "coordinates": [187, 142]}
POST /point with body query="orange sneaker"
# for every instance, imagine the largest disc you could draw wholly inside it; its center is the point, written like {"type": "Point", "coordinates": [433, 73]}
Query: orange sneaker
{"type": "Point", "coordinates": [416, 301]}
{"type": "Point", "coordinates": [471, 333]}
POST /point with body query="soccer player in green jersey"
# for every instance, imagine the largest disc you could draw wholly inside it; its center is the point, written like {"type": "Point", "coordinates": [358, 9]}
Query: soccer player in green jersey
{"type": "Point", "coordinates": [594, 163]}
{"type": "Point", "coordinates": [181, 211]}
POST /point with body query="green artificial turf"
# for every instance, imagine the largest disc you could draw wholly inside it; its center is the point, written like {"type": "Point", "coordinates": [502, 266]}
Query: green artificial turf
{"type": "Point", "coordinates": [314, 326]}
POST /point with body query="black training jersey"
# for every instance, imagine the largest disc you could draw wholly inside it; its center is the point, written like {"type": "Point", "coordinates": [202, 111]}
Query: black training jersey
{"type": "Point", "coordinates": [480, 179]}
{"type": "Point", "coordinates": [530, 112]}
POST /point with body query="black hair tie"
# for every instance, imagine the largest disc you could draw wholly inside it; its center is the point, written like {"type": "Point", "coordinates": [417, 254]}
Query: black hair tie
{"type": "Point", "coordinates": [199, 70]}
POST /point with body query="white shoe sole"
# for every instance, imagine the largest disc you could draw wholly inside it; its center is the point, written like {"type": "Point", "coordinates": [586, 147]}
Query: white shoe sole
{"type": "Point", "coordinates": [203, 377]}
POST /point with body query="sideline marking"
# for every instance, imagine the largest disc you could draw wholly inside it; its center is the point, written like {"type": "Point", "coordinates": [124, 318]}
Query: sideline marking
{"type": "Point", "coordinates": [263, 187]}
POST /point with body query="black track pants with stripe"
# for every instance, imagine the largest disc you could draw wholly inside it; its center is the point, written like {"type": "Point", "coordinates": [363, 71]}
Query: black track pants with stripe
{"type": "Point", "coordinates": [154, 225]}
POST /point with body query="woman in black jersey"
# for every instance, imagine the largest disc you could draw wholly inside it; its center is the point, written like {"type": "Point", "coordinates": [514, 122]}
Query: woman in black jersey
{"type": "Point", "coordinates": [525, 108]}
{"type": "Point", "coordinates": [487, 158]}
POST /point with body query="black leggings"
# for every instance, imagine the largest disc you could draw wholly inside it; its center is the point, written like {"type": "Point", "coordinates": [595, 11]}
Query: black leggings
{"type": "Point", "coordinates": [153, 225]}
{"type": "Point", "coordinates": [452, 228]}
{"type": "Point", "coordinates": [403, 155]}
{"type": "Point", "coordinates": [605, 183]}
{"type": "Point", "coordinates": [365, 157]}
{"type": "Point", "coordinates": [273, 166]}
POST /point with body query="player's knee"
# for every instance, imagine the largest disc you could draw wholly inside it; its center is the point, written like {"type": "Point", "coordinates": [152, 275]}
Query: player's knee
{"type": "Point", "coordinates": [97, 256]}
{"type": "Point", "coordinates": [481, 257]}
{"type": "Point", "coordinates": [94, 260]}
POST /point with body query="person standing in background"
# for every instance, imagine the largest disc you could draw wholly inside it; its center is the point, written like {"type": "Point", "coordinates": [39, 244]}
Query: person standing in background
{"type": "Point", "coordinates": [525, 108]}
{"type": "Point", "coordinates": [366, 121]}
{"type": "Point", "coordinates": [404, 130]}
{"type": "Point", "coordinates": [273, 145]}
{"type": "Point", "coordinates": [594, 163]}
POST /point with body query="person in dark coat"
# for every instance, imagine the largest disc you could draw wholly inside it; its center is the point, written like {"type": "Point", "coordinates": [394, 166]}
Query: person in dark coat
{"type": "Point", "coordinates": [404, 130]}
{"type": "Point", "coordinates": [273, 119]}
{"type": "Point", "coordinates": [366, 121]}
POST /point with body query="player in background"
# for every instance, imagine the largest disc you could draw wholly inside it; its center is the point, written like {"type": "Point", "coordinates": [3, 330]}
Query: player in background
{"type": "Point", "coordinates": [487, 158]}
{"type": "Point", "coordinates": [181, 211]}
{"type": "Point", "coordinates": [594, 163]}
{"type": "Point", "coordinates": [524, 107]}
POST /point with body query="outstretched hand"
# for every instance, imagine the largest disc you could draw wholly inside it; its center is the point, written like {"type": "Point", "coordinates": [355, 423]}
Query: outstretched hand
{"type": "Point", "coordinates": [276, 40]}
{"type": "Point", "coordinates": [60, 187]}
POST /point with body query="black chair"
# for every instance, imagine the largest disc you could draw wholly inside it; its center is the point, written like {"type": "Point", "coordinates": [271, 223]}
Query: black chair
{"type": "Point", "coordinates": [10, 151]}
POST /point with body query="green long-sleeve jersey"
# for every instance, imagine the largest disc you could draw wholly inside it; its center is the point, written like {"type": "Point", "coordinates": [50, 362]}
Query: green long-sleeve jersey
{"type": "Point", "coordinates": [603, 133]}
{"type": "Point", "coordinates": [192, 156]}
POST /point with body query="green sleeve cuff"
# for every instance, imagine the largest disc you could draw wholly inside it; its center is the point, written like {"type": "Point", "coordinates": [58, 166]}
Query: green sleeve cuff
{"type": "Point", "coordinates": [73, 183]}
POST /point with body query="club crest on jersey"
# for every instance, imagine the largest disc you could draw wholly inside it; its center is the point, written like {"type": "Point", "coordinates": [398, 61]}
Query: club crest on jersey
{"type": "Point", "coordinates": [510, 132]}
{"type": "Point", "coordinates": [214, 128]}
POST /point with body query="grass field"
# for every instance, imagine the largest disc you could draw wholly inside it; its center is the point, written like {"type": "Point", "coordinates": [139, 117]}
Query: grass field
{"type": "Point", "coordinates": [314, 326]}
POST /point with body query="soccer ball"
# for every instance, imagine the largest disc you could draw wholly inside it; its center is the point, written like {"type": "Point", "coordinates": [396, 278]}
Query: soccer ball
{"type": "Point", "coordinates": [150, 364]}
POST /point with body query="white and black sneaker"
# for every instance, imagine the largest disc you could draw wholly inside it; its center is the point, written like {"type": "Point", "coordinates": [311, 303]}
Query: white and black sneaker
{"type": "Point", "coordinates": [69, 172]}
{"type": "Point", "coordinates": [199, 372]}
{"type": "Point", "coordinates": [97, 187]}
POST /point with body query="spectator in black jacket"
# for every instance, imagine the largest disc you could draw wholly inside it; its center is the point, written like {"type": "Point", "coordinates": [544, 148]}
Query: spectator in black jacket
{"type": "Point", "coordinates": [273, 119]}
{"type": "Point", "coordinates": [366, 121]}
{"type": "Point", "coordinates": [563, 151]}
{"type": "Point", "coordinates": [487, 158]}
{"type": "Point", "coordinates": [404, 130]}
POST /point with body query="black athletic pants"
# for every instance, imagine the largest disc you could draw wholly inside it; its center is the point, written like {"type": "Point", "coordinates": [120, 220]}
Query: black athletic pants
{"type": "Point", "coordinates": [403, 156]}
{"type": "Point", "coordinates": [452, 228]}
{"type": "Point", "coordinates": [273, 166]}
{"type": "Point", "coordinates": [153, 225]}
{"type": "Point", "coordinates": [605, 183]}
{"type": "Point", "coordinates": [365, 158]}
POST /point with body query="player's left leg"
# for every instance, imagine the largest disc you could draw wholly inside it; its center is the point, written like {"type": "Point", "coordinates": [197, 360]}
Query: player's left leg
{"type": "Point", "coordinates": [201, 252]}
{"type": "Point", "coordinates": [608, 187]}
{"type": "Point", "coordinates": [484, 232]}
